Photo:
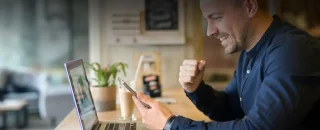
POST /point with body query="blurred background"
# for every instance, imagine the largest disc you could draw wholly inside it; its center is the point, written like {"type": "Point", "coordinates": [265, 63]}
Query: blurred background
{"type": "Point", "coordinates": [38, 36]}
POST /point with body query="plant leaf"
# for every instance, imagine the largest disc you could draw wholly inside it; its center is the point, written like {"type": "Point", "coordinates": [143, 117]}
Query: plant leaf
{"type": "Point", "coordinates": [93, 67]}
{"type": "Point", "coordinates": [108, 77]}
{"type": "Point", "coordinates": [123, 67]}
{"type": "Point", "coordinates": [112, 71]}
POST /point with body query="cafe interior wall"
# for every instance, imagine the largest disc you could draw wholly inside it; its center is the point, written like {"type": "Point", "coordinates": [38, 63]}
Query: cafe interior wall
{"type": "Point", "coordinates": [171, 56]}
{"type": "Point", "coordinates": [303, 14]}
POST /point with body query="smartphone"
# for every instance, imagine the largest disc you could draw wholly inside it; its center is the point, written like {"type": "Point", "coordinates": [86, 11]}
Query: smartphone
{"type": "Point", "coordinates": [133, 92]}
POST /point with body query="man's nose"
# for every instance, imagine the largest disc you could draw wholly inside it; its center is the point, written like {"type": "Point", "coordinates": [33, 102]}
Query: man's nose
{"type": "Point", "coordinates": [211, 30]}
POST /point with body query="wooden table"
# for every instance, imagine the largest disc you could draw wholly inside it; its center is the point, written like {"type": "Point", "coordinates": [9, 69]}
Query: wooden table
{"type": "Point", "coordinates": [16, 106]}
{"type": "Point", "coordinates": [183, 106]}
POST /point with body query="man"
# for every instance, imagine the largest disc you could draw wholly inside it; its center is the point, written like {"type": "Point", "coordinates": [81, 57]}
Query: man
{"type": "Point", "coordinates": [276, 85]}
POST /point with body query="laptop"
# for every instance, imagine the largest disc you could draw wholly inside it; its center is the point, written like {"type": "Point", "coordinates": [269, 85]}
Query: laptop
{"type": "Point", "coordinates": [83, 101]}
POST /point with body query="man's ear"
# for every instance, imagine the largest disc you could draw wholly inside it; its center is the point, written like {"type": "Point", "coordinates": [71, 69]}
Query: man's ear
{"type": "Point", "coordinates": [252, 7]}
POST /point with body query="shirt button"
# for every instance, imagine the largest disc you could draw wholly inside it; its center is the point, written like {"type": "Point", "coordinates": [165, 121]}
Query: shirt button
{"type": "Point", "coordinates": [248, 71]}
{"type": "Point", "coordinates": [240, 99]}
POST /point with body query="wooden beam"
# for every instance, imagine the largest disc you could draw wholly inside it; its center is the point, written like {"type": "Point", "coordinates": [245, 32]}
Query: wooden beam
{"type": "Point", "coordinates": [198, 31]}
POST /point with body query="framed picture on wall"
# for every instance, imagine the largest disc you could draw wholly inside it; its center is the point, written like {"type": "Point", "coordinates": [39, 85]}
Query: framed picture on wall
{"type": "Point", "coordinates": [161, 15]}
{"type": "Point", "coordinates": [162, 22]}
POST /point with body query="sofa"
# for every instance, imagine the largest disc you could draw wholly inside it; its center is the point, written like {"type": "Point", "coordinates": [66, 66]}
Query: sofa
{"type": "Point", "coordinates": [22, 85]}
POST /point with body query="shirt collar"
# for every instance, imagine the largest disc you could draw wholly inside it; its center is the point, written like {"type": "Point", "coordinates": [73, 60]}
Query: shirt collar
{"type": "Point", "coordinates": [271, 29]}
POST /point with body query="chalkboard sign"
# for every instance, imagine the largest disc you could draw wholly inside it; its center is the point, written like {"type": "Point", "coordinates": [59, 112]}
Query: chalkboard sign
{"type": "Point", "coordinates": [161, 14]}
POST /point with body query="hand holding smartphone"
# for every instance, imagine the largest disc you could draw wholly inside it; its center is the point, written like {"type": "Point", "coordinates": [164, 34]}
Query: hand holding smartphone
{"type": "Point", "coordinates": [133, 92]}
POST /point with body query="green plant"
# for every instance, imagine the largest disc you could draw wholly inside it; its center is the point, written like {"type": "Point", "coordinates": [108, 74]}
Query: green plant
{"type": "Point", "coordinates": [106, 77]}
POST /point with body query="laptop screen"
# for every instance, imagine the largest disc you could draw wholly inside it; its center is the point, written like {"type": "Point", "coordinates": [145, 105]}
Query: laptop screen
{"type": "Point", "coordinates": [82, 95]}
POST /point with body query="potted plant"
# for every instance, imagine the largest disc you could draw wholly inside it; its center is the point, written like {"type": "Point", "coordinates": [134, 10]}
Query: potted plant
{"type": "Point", "coordinates": [104, 93]}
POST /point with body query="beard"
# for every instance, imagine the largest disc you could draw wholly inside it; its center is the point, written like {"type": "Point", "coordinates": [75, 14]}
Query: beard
{"type": "Point", "coordinates": [240, 42]}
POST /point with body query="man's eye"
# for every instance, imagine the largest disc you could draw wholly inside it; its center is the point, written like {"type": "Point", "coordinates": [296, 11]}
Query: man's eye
{"type": "Point", "coordinates": [216, 18]}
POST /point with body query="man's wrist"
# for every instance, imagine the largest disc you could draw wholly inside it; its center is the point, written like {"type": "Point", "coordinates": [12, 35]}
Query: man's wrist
{"type": "Point", "coordinates": [169, 122]}
{"type": "Point", "coordinates": [196, 89]}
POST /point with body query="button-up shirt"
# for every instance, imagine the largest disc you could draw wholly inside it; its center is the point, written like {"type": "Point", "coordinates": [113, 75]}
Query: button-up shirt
{"type": "Point", "coordinates": [276, 86]}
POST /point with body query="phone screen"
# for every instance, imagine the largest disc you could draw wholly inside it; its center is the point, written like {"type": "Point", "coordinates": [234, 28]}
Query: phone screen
{"type": "Point", "coordinates": [133, 92]}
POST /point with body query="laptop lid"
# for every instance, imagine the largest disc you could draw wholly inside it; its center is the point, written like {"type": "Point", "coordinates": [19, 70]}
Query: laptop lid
{"type": "Point", "coordinates": [81, 94]}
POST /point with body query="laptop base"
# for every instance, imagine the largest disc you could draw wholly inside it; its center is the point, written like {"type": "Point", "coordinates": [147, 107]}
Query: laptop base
{"type": "Point", "coordinates": [115, 126]}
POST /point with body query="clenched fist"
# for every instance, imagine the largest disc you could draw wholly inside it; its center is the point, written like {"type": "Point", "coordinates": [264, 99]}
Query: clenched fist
{"type": "Point", "coordinates": [191, 74]}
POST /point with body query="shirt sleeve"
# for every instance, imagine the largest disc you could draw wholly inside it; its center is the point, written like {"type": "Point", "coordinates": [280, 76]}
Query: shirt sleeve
{"type": "Point", "coordinates": [289, 91]}
{"type": "Point", "coordinates": [217, 105]}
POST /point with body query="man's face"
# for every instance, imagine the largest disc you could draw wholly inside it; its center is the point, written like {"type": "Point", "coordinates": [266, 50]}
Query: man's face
{"type": "Point", "coordinates": [227, 23]}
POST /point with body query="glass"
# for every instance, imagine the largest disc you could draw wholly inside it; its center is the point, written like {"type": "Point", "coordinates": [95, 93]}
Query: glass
{"type": "Point", "coordinates": [126, 104]}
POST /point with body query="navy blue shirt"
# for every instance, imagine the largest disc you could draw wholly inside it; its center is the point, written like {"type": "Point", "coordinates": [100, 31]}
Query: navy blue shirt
{"type": "Point", "coordinates": [276, 86]}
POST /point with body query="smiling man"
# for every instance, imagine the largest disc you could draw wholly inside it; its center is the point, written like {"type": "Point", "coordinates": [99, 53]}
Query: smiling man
{"type": "Point", "coordinates": [276, 85]}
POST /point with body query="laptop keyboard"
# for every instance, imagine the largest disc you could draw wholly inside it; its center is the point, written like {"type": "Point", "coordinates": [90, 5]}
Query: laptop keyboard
{"type": "Point", "coordinates": [121, 126]}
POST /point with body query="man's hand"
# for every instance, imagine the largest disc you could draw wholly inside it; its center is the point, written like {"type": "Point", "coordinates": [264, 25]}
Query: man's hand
{"type": "Point", "coordinates": [191, 74]}
{"type": "Point", "coordinates": [154, 118]}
